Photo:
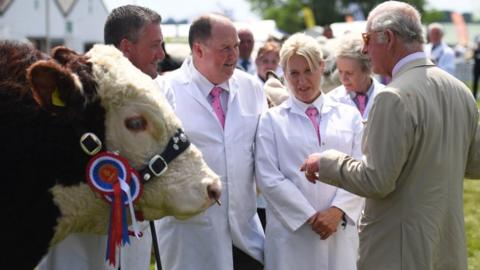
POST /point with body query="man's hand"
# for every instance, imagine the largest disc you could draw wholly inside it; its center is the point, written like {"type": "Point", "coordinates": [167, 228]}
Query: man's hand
{"type": "Point", "coordinates": [310, 167]}
{"type": "Point", "coordinates": [325, 223]}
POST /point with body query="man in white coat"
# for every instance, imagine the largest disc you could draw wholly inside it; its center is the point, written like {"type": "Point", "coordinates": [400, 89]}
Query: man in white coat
{"type": "Point", "coordinates": [219, 107]}
{"type": "Point", "coordinates": [136, 32]}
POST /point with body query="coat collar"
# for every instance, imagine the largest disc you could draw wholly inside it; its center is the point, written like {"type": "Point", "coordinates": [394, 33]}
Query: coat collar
{"type": "Point", "coordinates": [422, 62]}
{"type": "Point", "coordinates": [327, 106]}
{"type": "Point", "coordinates": [185, 78]}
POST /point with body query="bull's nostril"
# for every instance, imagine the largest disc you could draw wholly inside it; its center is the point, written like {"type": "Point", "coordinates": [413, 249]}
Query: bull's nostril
{"type": "Point", "coordinates": [214, 193]}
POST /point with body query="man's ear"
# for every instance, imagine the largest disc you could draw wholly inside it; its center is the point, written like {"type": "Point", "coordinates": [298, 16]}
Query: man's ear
{"type": "Point", "coordinates": [391, 38]}
{"type": "Point", "coordinates": [197, 49]}
{"type": "Point", "coordinates": [125, 47]}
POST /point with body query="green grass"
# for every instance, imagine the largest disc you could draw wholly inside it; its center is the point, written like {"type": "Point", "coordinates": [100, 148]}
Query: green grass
{"type": "Point", "coordinates": [472, 222]}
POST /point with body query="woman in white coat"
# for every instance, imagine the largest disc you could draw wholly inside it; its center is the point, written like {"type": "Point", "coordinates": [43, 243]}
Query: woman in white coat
{"type": "Point", "coordinates": [308, 226]}
{"type": "Point", "coordinates": [358, 87]}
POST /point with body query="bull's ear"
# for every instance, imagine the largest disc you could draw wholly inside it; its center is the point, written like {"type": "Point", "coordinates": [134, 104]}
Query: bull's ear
{"type": "Point", "coordinates": [64, 55]}
{"type": "Point", "coordinates": [51, 84]}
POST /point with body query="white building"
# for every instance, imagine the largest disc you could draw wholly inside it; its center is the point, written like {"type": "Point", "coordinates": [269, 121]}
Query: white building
{"type": "Point", "coordinates": [77, 24]}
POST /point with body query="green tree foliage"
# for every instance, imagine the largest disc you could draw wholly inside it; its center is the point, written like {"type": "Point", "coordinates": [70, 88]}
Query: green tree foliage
{"type": "Point", "coordinates": [289, 15]}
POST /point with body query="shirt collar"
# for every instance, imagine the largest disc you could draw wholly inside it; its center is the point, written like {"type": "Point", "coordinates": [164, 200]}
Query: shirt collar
{"type": "Point", "coordinates": [406, 59]}
{"type": "Point", "coordinates": [300, 105]}
{"type": "Point", "coordinates": [203, 83]}
{"type": "Point", "coordinates": [369, 92]}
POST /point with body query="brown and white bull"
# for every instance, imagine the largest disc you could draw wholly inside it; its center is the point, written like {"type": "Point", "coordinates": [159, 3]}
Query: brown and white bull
{"type": "Point", "coordinates": [44, 112]}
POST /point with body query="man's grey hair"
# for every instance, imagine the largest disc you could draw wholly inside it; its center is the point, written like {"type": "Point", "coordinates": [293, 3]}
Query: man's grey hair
{"type": "Point", "coordinates": [351, 46]}
{"type": "Point", "coordinates": [435, 25]}
{"type": "Point", "coordinates": [399, 17]}
{"type": "Point", "coordinates": [127, 22]}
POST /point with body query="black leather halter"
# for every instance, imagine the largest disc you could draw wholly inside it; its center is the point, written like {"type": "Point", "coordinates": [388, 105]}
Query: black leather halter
{"type": "Point", "coordinates": [157, 165]}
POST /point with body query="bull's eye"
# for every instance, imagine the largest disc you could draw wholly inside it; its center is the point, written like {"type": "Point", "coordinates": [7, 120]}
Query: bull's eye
{"type": "Point", "coordinates": [136, 123]}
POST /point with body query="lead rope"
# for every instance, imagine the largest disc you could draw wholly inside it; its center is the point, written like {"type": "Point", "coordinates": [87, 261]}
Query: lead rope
{"type": "Point", "coordinates": [155, 245]}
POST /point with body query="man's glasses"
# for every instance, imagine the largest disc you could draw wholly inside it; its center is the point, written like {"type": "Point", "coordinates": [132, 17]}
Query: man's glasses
{"type": "Point", "coordinates": [366, 36]}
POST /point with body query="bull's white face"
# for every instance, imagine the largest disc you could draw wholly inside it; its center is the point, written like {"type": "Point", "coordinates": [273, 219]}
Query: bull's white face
{"type": "Point", "coordinates": [138, 125]}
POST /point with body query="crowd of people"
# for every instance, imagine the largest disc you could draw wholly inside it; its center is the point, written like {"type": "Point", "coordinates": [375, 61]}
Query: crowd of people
{"type": "Point", "coordinates": [366, 176]}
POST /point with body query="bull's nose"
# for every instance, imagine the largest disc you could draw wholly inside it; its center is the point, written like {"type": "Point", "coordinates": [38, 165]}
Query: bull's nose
{"type": "Point", "coordinates": [214, 192]}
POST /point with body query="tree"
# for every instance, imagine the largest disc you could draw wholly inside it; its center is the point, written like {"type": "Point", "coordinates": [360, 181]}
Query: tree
{"type": "Point", "coordinates": [289, 16]}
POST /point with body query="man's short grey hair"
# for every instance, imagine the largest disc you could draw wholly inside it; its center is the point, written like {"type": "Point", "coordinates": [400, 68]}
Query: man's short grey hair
{"type": "Point", "coordinates": [127, 22]}
{"type": "Point", "coordinates": [435, 25]}
{"type": "Point", "coordinates": [350, 46]}
{"type": "Point", "coordinates": [303, 45]}
{"type": "Point", "coordinates": [399, 17]}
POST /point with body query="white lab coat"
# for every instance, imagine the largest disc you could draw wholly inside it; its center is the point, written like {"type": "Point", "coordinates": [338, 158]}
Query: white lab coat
{"type": "Point", "coordinates": [81, 251]}
{"type": "Point", "coordinates": [205, 241]}
{"type": "Point", "coordinates": [285, 138]}
{"type": "Point", "coordinates": [340, 94]}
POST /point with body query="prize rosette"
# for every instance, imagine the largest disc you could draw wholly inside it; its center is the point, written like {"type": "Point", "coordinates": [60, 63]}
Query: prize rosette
{"type": "Point", "coordinates": [111, 176]}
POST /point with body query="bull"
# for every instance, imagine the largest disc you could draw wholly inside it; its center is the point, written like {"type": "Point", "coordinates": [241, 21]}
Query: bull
{"type": "Point", "coordinates": [55, 113]}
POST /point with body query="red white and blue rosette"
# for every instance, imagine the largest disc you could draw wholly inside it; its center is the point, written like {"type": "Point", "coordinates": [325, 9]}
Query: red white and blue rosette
{"type": "Point", "coordinates": [111, 175]}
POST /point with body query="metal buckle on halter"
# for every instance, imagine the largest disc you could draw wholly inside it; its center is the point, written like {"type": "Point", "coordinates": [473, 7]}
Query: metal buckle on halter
{"type": "Point", "coordinates": [90, 143]}
{"type": "Point", "coordinates": [157, 165]}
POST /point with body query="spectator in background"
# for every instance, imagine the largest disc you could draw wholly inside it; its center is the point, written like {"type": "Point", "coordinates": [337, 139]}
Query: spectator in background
{"type": "Point", "coordinates": [358, 87]}
{"type": "Point", "coordinates": [327, 31]}
{"type": "Point", "coordinates": [476, 67]}
{"type": "Point", "coordinates": [135, 31]}
{"type": "Point", "coordinates": [268, 57]}
{"type": "Point", "coordinates": [308, 226]}
{"type": "Point", "coordinates": [439, 52]}
{"type": "Point", "coordinates": [245, 48]}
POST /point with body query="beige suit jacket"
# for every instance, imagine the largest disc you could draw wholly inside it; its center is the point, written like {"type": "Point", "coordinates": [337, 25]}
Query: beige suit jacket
{"type": "Point", "coordinates": [419, 142]}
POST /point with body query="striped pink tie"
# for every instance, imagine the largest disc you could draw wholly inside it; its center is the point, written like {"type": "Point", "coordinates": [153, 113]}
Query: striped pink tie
{"type": "Point", "coordinates": [217, 104]}
{"type": "Point", "coordinates": [361, 99]}
{"type": "Point", "coordinates": [312, 113]}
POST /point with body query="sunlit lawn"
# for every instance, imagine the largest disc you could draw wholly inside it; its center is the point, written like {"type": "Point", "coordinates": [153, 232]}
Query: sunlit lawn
{"type": "Point", "coordinates": [472, 222]}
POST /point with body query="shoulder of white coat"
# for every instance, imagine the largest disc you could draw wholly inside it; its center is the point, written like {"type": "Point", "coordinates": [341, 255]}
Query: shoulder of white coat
{"type": "Point", "coordinates": [246, 83]}
{"type": "Point", "coordinates": [340, 108]}
{"type": "Point", "coordinates": [337, 93]}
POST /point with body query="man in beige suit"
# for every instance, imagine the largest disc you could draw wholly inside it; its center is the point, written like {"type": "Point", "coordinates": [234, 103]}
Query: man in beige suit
{"type": "Point", "coordinates": [420, 140]}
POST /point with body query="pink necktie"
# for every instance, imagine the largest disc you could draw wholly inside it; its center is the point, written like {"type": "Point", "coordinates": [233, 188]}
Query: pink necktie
{"type": "Point", "coordinates": [312, 113]}
{"type": "Point", "coordinates": [361, 99]}
{"type": "Point", "coordinates": [217, 104]}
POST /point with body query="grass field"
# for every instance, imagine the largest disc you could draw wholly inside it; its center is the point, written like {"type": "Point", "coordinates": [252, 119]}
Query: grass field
{"type": "Point", "coordinates": [472, 222]}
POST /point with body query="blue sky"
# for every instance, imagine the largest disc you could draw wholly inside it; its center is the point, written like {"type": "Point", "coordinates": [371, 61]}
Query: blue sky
{"type": "Point", "coordinates": [240, 9]}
